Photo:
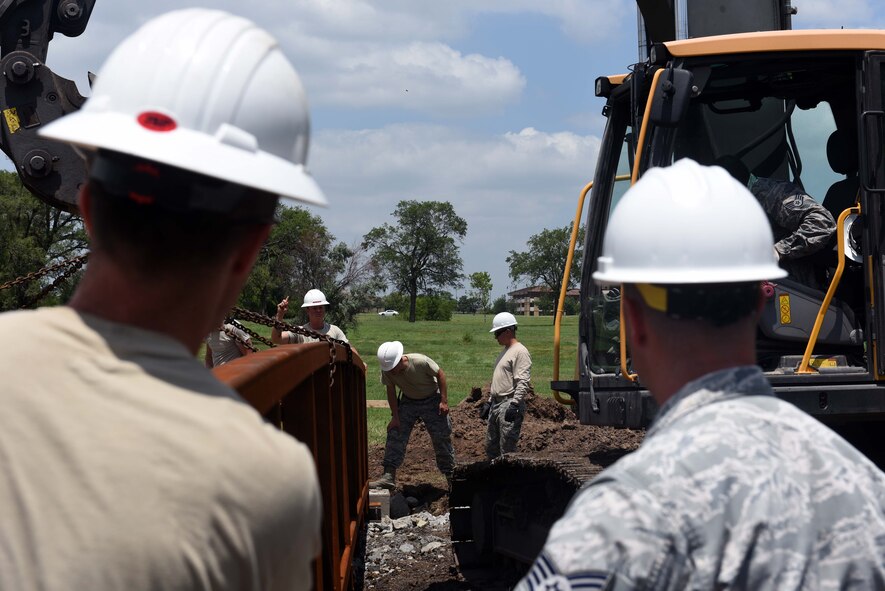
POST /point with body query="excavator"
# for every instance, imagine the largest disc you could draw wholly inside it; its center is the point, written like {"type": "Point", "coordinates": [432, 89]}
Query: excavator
{"type": "Point", "coordinates": [32, 95]}
{"type": "Point", "coordinates": [720, 79]}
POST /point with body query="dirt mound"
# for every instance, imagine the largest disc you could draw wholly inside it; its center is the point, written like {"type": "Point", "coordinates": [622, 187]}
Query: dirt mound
{"type": "Point", "coordinates": [550, 429]}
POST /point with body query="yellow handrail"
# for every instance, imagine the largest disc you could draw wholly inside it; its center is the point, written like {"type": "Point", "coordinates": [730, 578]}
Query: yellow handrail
{"type": "Point", "coordinates": [560, 306]}
{"type": "Point", "coordinates": [640, 146]}
{"type": "Point", "coordinates": [557, 321]}
{"type": "Point", "coordinates": [837, 276]}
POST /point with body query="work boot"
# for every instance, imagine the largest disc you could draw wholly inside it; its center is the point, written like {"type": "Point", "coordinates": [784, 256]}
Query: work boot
{"type": "Point", "coordinates": [387, 480]}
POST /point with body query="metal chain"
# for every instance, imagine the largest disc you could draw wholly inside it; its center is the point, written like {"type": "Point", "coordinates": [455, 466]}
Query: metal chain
{"type": "Point", "coordinates": [230, 332]}
{"type": "Point", "coordinates": [274, 323]}
{"type": "Point", "coordinates": [58, 281]}
{"type": "Point", "coordinates": [78, 261]}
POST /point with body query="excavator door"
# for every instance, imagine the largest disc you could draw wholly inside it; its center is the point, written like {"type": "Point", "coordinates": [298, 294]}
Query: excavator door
{"type": "Point", "coordinates": [872, 180]}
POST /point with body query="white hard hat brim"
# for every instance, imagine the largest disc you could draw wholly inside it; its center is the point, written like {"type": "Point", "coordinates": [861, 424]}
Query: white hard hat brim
{"type": "Point", "coordinates": [690, 276]}
{"type": "Point", "coordinates": [312, 304]}
{"type": "Point", "coordinates": [189, 150]}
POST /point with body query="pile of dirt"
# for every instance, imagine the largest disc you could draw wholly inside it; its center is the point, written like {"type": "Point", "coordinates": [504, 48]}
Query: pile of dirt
{"type": "Point", "coordinates": [550, 430]}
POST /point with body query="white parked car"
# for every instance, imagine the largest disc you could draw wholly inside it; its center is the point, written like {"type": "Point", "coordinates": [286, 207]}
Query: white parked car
{"type": "Point", "coordinates": [388, 313]}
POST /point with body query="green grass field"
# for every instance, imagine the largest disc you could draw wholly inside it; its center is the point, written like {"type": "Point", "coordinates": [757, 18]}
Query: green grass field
{"type": "Point", "coordinates": [463, 348]}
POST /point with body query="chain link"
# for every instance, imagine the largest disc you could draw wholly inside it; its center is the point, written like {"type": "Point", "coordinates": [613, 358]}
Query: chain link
{"type": "Point", "coordinates": [245, 314]}
{"type": "Point", "coordinates": [77, 261]}
{"type": "Point", "coordinates": [229, 332]}
{"type": "Point", "coordinates": [58, 281]}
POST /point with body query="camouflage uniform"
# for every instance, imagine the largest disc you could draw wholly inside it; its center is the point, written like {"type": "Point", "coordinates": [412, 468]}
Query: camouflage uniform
{"type": "Point", "coordinates": [731, 488]}
{"type": "Point", "coordinates": [438, 427]}
{"type": "Point", "coordinates": [801, 225]}
{"type": "Point", "coordinates": [502, 435]}
{"type": "Point", "coordinates": [510, 383]}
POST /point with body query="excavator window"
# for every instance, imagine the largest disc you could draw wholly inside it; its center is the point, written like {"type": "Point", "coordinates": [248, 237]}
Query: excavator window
{"type": "Point", "coordinates": [776, 117]}
{"type": "Point", "coordinates": [601, 306]}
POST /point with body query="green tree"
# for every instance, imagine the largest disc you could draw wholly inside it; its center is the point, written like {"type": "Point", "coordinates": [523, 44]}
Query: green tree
{"type": "Point", "coordinates": [300, 254]}
{"type": "Point", "coordinates": [34, 235]}
{"type": "Point", "coordinates": [434, 307]}
{"type": "Point", "coordinates": [467, 304]}
{"type": "Point", "coordinates": [544, 261]}
{"type": "Point", "coordinates": [420, 251]}
{"type": "Point", "coordinates": [481, 284]}
{"type": "Point", "coordinates": [396, 301]}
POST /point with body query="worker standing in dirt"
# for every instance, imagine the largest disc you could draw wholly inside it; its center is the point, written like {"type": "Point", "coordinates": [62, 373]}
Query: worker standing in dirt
{"type": "Point", "coordinates": [126, 464]}
{"type": "Point", "coordinates": [424, 395]}
{"type": "Point", "coordinates": [226, 343]}
{"type": "Point", "coordinates": [315, 305]}
{"type": "Point", "coordinates": [511, 381]}
{"type": "Point", "coordinates": [732, 488]}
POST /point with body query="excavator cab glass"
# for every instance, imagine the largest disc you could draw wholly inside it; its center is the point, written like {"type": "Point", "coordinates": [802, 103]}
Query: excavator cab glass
{"type": "Point", "coordinates": [873, 125]}
{"type": "Point", "coordinates": [799, 122]}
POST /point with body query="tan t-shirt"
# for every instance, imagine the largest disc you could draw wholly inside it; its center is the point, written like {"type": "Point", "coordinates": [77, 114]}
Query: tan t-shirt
{"type": "Point", "coordinates": [418, 380]}
{"type": "Point", "coordinates": [127, 465]}
{"type": "Point", "coordinates": [513, 372]}
{"type": "Point", "coordinates": [328, 329]}
{"type": "Point", "coordinates": [224, 347]}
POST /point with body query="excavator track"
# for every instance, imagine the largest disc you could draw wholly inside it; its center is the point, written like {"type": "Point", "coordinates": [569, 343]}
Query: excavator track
{"type": "Point", "coordinates": [501, 511]}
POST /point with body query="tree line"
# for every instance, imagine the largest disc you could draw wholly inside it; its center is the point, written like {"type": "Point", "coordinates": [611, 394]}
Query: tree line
{"type": "Point", "coordinates": [414, 258]}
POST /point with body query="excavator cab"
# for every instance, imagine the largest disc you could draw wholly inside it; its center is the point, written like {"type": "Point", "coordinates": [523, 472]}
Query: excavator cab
{"type": "Point", "coordinates": [774, 102]}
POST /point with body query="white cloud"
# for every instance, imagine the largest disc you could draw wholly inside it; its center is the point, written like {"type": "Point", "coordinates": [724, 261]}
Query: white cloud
{"type": "Point", "coordinates": [350, 53]}
{"type": "Point", "coordinates": [426, 77]}
{"type": "Point", "coordinates": [833, 15]}
{"type": "Point", "coordinates": [507, 187]}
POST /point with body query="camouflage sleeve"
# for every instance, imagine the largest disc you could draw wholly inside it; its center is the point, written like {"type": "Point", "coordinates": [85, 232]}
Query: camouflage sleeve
{"type": "Point", "coordinates": [522, 374]}
{"type": "Point", "coordinates": [809, 225]}
{"type": "Point", "coordinates": [611, 537]}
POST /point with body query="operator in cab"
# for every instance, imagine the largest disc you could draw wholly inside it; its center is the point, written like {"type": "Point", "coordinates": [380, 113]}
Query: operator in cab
{"type": "Point", "coordinates": [126, 463]}
{"type": "Point", "coordinates": [732, 488]}
{"type": "Point", "coordinates": [802, 227]}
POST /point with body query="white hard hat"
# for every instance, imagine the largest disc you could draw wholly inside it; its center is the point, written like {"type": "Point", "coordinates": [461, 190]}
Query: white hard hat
{"type": "Point", "coordinates": [389, 354]}
{"type": "Point", "coordinates": [203, 91]}
{"type": "Point", "coordinates": [688, 223]}
{"type": "Point", "coordinates": [314, 297]}
{"type": "Point", "coordinates": [503, 320]}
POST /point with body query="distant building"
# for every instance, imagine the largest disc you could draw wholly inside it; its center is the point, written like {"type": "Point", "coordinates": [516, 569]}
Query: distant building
{"type": "Point", "coordinates": [527, 299]}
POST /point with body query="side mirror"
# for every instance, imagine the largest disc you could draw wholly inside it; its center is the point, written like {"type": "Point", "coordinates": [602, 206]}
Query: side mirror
{"type": "Point", "coordinates": [671, 97]}
{"type": "Point", "coordinates": [851, 238]}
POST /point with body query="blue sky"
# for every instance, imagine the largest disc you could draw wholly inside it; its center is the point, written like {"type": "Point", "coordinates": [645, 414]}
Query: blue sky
{"type": "Point", "coordinates": [485, 103]}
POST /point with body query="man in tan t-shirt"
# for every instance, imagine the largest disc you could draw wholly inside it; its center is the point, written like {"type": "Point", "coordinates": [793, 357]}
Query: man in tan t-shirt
{"type": "Point", "coordinates": [315, 305]}
{"type": "Point", "coordinates": [424, 396]}
{"type": "Point", "coordinates": [511, 381]}
{"type": "Point", "coordinates": [125, 463]}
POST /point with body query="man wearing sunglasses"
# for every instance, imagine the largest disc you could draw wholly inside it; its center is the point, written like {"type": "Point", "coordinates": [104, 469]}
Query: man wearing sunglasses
{"type": "Point", "coordinates": [511, 380]}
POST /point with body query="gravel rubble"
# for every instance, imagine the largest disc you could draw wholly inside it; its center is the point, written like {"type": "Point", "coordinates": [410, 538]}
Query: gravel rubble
{"type": "Point", "coordinates": [392, 543]}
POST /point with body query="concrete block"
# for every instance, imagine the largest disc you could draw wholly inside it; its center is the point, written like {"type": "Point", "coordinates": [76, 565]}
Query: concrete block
{"type": "Point", "coordinates": [379, 499]}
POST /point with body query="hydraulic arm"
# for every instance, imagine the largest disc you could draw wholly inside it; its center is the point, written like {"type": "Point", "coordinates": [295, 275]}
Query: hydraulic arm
{"type": "Point", "coordinates": [33, 95]}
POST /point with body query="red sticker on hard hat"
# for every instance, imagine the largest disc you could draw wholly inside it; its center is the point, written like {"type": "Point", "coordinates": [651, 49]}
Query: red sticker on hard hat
{"type": "Point", "coordinates": [157, 121]}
